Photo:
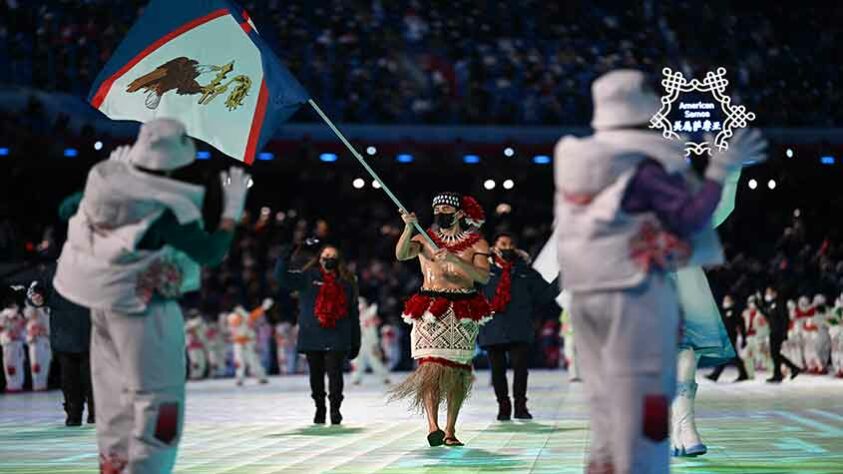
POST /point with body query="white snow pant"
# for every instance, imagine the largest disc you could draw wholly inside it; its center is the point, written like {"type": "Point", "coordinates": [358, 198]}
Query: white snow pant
{"type": "Point", "coordinates": [137, 368]}
{"type": "Point", "coordinates": [369, 357]}
{"type": "Point", "coordinates": [246, 358]}
{"type": "Point", "coordinates": [626, 343]}
{"type": "Point", "coordinates": [288, 360]}
{"type": "Point", "coordinates": [40, 357]}
{"type": "Point", "coordinates": [750, 354]}
{"type": "Point", "coordinates": [198, 363]}
{"type": "Point", "coordinates": [815, 347]}
{"type": "Point", "coordinates": [13, 365]}
{"type": "Point", "coordinates": [792, 348]}
{"type": "Point", "coordinates": [216, 358]}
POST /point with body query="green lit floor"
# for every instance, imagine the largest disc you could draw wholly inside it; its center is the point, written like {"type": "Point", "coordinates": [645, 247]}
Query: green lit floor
{"type": "Point", "coordinates": [749, 428]}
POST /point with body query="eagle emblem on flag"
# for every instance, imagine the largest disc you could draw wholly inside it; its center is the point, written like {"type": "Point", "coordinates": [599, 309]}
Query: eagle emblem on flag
{"type": "Point", "coordinates": [180, 75]}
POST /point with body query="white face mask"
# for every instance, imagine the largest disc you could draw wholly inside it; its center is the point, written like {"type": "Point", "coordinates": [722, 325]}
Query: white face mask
{"type": "Point", "coordinates": [769, 298]}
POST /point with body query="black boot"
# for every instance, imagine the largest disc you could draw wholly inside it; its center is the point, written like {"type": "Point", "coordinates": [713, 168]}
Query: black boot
{"type": "Point", "coordinates": [91, 417]}
{"type": "Point", "coordinates": [521, 412]}
{"type": "Point", "coordinates": [321, 410]}
{"type": "Point", "coordinates": [504, 410]}
{"type": "Point", "coordinates": [74, 414]}
{"type": "Point", "coordinates": [336, 416]}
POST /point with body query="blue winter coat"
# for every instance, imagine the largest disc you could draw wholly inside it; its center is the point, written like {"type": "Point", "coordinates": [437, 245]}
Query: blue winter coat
{"type": "Point", "coordinates": [529, 292]}
{"type": "Point", "coordinates": [313, 337]}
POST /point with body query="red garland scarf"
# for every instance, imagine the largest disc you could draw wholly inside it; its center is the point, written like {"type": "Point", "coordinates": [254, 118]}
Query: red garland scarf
{"type": "Point", "coordinates": [472, 239]}
{"type": "Point", "coordinates": [503, 293]}
{"type": "Point", "coordinates": [331, 303]}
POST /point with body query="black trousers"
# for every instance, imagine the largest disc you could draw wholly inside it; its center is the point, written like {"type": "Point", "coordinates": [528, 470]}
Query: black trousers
{"type": "Point", "coordinates": [518, 356]}
{"type": "Point", "coordinates": [76, 380]}
{"type": "Point", "coordinates": [330, 363]}
{"type": "Point", "coordinates": [737, 362]}
{"type": "Point", "coordinates": [779, 359]}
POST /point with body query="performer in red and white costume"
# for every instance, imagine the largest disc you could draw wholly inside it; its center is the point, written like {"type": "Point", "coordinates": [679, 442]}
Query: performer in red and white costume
{"type": "Point", "coordinates": [38, 336]}
{"type": "Point", "coordinates": [447, 312]}
{"type": "Point", "coordinates": [805, 327]}
{"type": "Point", "coordinates": [241, 325]}
{"type": "Point", "coordinates": [835, 330]}
{"type": "Point", "coordinates": [391, 345]}
{"type": "Point", "coordinates": [756, 333]}
{"type": "Point", "coordinates": [12, 335]}
{"type": "Point", "coordinates": [816, 338]}
{"type": "Point", "coordinates": [216, 346]}
{"type": "Point", "coordinates": [194, 332]}
{"type": "Point", "coordinates": [370, 347]}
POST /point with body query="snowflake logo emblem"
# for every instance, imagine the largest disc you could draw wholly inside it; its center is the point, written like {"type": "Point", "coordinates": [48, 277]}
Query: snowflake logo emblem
{"type": "Point", "coordinates": [675, 83]}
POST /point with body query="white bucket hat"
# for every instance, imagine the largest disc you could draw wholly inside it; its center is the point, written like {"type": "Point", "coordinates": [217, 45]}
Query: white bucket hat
{"type": "Point", "coordinates": [162, 145]}
{"type": "Point", "coordinates": [622, 98]}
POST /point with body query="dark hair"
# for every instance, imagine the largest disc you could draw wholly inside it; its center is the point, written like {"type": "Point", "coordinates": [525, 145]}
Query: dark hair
{"type": "Point", "coordinates": [502, 234]}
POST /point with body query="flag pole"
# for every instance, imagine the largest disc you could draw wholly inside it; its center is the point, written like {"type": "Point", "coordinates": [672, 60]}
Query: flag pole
{"type": "Point", "coordinates": [368, 168]}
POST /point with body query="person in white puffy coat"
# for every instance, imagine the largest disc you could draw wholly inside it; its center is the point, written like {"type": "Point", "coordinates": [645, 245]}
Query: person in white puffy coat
{"type": "Point", "coordinates": [12, 336]}
{"type": "Point", "coordinates": [370, 348]}
{"type": "Point", "coordinates": [38, 337]}
{"type": "Point", "coordinates": [197, 356]}
{"type": "Point", "coordinates": [241, 326]}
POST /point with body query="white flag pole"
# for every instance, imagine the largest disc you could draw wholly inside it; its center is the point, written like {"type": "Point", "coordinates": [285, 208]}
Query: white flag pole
{"type": "Point", "coordinates": [368, 168]}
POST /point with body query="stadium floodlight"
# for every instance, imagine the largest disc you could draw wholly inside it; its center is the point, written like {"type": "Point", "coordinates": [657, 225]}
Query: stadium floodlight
{"type": "Point", "coordinates": [827, 160]}
{"type": "Point", "coordinates": [70, 152]}
{"type": "Point", "coordinates": [404, 158]}
{"type": "Point", "coordinates": [371, 151]}
{"type": "Point", "coordinates": [789, 153]}
{"type": "Point", "coordinates": [508, 151]}
{"type": "Point", "coordinates": [97, 145]}
{"type": "Point", "coordinates": [376, 184]}
{"type": "Point", "coordinates": [358, 183]}
{"type": "Point", "coordinates": [471, 159]}
{"type": "Point", "coordinates": [203, 155]}
{"type": "Point", "coordinates": [328, 157]}
{"type": "Point", "coordinates": [508, 184]}
{"type": "Point", "coordinates": [266, 156]}
{"type": "Point", "coordinates": [753, 184]}
{"type": "Point", "coordinates": [541, 160]}
{"type": "Point", "coordinates": [489, 184]}
{"type": "Point", "coordinates": [771, 184]}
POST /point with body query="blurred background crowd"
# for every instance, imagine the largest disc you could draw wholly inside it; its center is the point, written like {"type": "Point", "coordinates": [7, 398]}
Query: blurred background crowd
{"type": "Point", "coordinates": [473, 62]}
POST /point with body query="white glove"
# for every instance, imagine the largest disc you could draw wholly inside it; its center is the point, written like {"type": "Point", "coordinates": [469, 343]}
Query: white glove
{"type": "Point", "coordinates": [121, 153]}
{"type": "Point", "coordinates": [745, 145]}
{"type": "Point", "coordinates": [267, 303]}
{"type": "Point", "coordinates": [235, 184]}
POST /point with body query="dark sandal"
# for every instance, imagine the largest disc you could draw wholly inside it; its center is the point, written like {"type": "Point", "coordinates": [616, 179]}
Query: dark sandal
{"type": "Point", "coordinates": [436, 438]}
{"type": "Point", "coordinates": [452, 442]}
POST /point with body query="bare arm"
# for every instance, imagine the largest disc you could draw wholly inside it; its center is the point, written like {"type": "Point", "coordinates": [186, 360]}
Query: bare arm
{"type": "Point", "coordinates": [407, 248]}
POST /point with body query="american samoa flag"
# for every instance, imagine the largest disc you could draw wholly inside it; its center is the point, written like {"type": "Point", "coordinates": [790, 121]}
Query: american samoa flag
{"type": "Point", "coordinates": [202, 62]}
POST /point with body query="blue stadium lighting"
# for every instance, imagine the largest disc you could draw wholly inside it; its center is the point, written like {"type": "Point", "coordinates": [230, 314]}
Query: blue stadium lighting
{"type": "Point", "coordinates": [266, 156]}
{"type": "Point", "coordinates": [70, 152]}
{"type": "Point", "coordinates": [328, 157]}
{"type": "Point", "coordinates": [4, 151]}
{"type": "Point", "coordinates": [827, 160]}
{"type": "Point", "coordinates": [471, 159]}
{"type": "Point", "coordinates": [541, 159]}
{"type": "Point", "coordinates": [404, 158]}
{"type": "Point", "coordinates": [203, 155]}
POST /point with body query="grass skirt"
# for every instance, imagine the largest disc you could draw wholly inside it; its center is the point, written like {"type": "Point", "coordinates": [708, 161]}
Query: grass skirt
{"type": "Point", "coordinates": [442, 381]}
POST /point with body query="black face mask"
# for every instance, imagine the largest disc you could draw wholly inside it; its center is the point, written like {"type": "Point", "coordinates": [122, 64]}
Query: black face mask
{"type": "Point", "coordinates": [330, 263]}
{"type": "Point", "coordinates": [508, 254]}
{"type": "Point", "coordinates": [444, 221]}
